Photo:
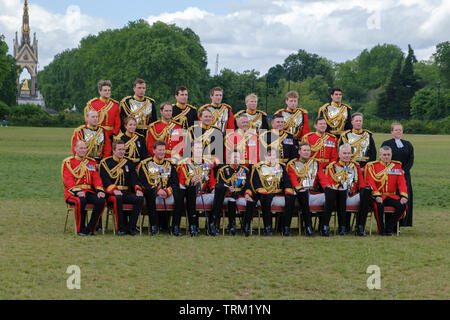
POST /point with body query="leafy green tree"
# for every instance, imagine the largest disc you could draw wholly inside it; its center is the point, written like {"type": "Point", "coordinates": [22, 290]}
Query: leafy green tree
{"type": "Point", "coordinates": [8, 75]}
{"type": "Point", "coordinates": [431, 104]}
{"type": "Point", "coordinates": [166, 56]}
{"type": "Point", "coordinates": [442, 58]}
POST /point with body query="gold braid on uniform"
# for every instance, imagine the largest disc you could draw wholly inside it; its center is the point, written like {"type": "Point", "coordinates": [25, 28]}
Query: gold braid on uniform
{"type": "Point", "coordinates": [79, 171]}
{"type": "Point", "coordinates": [340, 117]}
{"type": "Point", "coordinates": [130, 146]}
{"type": "Point", "coordinates": [380, 177]}
{"type": "Point", "coordinates": [162, 182]}
{"type": "Point", "coordinates": [116, 172]}
{"type": "Point", "coordinates": [164, 133]}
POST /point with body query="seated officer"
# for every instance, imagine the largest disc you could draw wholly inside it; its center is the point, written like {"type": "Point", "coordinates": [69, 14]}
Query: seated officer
{"type": "Point", "coordinates": [269, 178]}
{"type": "Point", "coordinates": [233, 181]}
{"type": "Point", "coordinates": [135, 144]}
{"type": "Point", "coordinates": [82, 186]}
{"type": "Point", "coordinates": [344, 185]}
{"type": "Point", "coordinates": [196, 177]}
{"type": "Point", "coordinates": [159, 178]}
{"type": "Point", "coordinates": [303, 173]}
{"type": "Point", "coordinates": [385, 177]}
{"type": "Point", "coordinates": [122, 186]}
{"type": "Point", "coordinates": [323, 144]}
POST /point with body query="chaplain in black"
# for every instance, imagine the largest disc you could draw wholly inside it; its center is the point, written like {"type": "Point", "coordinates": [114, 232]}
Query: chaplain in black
{"type": "Point", "coordinates": [122, 185]}
{"type": "Point", "coordinates": [160, 179]}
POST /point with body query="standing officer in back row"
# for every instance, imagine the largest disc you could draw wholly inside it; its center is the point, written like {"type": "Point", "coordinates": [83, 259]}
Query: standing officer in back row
{"type": "Point", "coordinates": [222, 113]}
{"type": "Point", "coordinates": [296, 119]}
{"type": "Point", "coordinates": [140, 107]}
{"type": "Point", "coordinates": [336, 114]}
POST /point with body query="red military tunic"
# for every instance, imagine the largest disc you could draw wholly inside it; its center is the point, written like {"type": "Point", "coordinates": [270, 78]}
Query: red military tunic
{"type": "Point", "coordinates": [80, 174]}
{"type": "Point", "coordinates": [108, 114]}
{"type": "Point", "coordinates": [169, 132]}
{"type": "Point", "coordinates": [303, 174]}
{"type": "Point", "coordinates": [323, 147]}
{"type": "Point", "coordinates": [350, 178]}
{"type": "Point", "coordinates": [385, 178]}
{"type": "Point", "coordinates": [246, 142]}
{"type": "Point", "coordinates": [189, 168]}
{"type": "Point", "coordinates": [222, 115]}
{"type": "Point", "coordinates": [297, 122]}
{"type": "Point", "coordinates": [97, 142]}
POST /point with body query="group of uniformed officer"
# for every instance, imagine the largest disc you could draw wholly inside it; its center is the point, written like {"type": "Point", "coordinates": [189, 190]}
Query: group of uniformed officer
{"type": "Point", "coordinates": [211, 158]}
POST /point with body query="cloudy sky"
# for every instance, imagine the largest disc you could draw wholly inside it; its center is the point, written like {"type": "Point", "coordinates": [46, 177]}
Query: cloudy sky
{"type": "Point", "coordinates": [247, 34]}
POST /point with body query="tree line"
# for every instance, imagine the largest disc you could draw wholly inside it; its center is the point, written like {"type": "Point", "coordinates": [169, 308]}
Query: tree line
{"type": "Point", "coordinates": [381, 82]}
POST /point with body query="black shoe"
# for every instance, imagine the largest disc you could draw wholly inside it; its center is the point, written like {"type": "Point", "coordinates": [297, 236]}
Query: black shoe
{"type": "Point", "coordinates": [359, 231]}
{"type": "Point", "coordinates": [193, 230]}
{"type": "Point", "coordinates": [154, 230]}
{"type": "Point", "coordinates": [309, 232]}
{"type": "Point", "coordinates": [99, 228]}
{"type": "Point", "coordinates": [268, 231]}
{"type": "Point", "coordinates": [325, 231]}
{"type": "Point", "coordinates": [92, 233]}
{"type": "Point", "coordinates": [342, 230]}
{"type": "Point", "coordinates": [82, 234]}
{"type": "Point", "coordinates": [121, 233]}
{"type": "Point", "coordinates": [132, 233]}
{"type": "Point", "coordinates": [247, 231]}
{"type": "Point", "coordinates": [232, 229]}
{"type": "Point", "coordinates": [387, 234]}
{"type": "Point", "coordinates": [286, 232]}
{"type": "Point", "coordinates": [176, 231]}
{"type": "Point", "coordinates": [212, 230]}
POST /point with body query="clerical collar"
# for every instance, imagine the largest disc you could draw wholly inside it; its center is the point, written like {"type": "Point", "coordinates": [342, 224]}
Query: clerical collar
{"type": "Point", "coordinates": [336, 104]}
{"type": "Point", "coordinates": [139, 99]}
{"type": "Point", "coordinates": [252, 113]}
{"type": "Point", "coordinates": [360, 131]}
{"type": "Point", "coordinates": [399, 143]}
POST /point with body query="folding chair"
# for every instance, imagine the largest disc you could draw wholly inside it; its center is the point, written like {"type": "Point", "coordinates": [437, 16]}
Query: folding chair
{"type": "Point", "coordinates": [71, 207]}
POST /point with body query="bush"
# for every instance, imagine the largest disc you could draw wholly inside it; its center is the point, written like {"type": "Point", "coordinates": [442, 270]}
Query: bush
{"type": "Point", "coordinates": [410, 126]}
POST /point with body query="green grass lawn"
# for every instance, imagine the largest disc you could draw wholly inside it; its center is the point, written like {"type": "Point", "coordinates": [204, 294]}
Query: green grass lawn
{"type": "Point", "coordinates": [35, 253]}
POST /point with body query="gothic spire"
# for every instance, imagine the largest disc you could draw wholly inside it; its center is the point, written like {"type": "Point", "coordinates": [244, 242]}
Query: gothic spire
{"type": "Point", "coordinates": [25, 24]}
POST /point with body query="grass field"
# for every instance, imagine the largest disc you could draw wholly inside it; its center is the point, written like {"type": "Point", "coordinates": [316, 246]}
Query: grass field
{"type": "Point", "coordinates": [35, 253]}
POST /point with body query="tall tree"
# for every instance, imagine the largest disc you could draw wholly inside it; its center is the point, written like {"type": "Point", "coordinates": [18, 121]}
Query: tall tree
{"type": "Point", "coordinates": [442, 58]}
{"type": "Point", "coordinates": [8, 75]}
{"type": "Point", "coordinates": [166, 56]}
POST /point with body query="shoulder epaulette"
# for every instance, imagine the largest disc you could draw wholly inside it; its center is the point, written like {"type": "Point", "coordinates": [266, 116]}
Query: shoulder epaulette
{"type": "Point", "coordinates": [324, 106]}
{"type": "Point", "coordinates": [331, 135]}
{"type": "Point", "coordinates": [265, 114]}
{"type": "Point", "coordinates": [238, 114]}
{"type": "Point", "coordinates": [397, 162]}
{"type": "Point", "coordinates": [151, 99]}
{"type": "Point", "coordinates": [191, 106]}
{"type": "Point", "coordinates": [368, 131]}
{"type": "Point", "coordinates": [126, 98]}
{"type": "Point", "coordinates": [345, 132]}
{"type": "Point", "coordinates": [68, 159]}
{"type": "Point", "coordinates": [347, 106]}
{"type": "Point", "coordinates": [290, 162]}
{"type": "Point", "coordinates": [304, 110]}
{"type": "Point", "coordinates": [139, 134]}
{"type": "Point", "coordinates": [114, 100]}
{"type": "Point", "coordinates": [371, 163]}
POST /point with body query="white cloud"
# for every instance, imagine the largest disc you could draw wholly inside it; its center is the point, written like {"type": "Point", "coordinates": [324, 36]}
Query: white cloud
{"type": "Point", "coordinates": [55, 32]}
{"type": "Point", "coordinates": [260, 34]}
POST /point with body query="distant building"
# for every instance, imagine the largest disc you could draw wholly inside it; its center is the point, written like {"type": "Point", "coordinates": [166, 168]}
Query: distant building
{"type": "Point", "coordinates": [26, 56]}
